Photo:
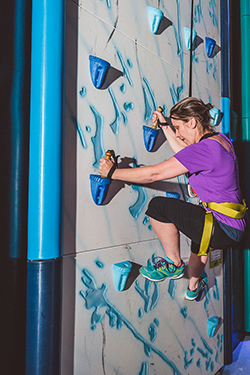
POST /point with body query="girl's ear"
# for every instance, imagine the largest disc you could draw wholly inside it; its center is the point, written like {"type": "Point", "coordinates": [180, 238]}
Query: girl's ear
{"type": "Point", "coordinates": [193, 123]}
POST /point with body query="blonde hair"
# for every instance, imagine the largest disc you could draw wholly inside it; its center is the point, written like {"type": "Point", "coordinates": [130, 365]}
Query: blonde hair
{"type": "Point", "coordinates": [193, 107]}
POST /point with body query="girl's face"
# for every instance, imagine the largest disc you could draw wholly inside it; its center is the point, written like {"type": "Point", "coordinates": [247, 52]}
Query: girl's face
{"type": "Point", "coordinates": [184, 130]}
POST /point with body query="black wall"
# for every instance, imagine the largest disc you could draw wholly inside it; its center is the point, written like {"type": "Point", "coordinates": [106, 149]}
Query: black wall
{"type": "Point", "coordinates": [15, 35]}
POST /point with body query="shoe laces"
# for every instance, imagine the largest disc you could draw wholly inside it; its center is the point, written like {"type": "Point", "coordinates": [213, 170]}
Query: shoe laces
{"type": "Point", "coordinates": [202, 283]}
{"type": "Point", "coordinates": [162, 262]}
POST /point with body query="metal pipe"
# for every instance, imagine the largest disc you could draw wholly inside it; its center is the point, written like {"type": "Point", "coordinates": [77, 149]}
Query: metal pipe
{"type": "Point", "coordinates": [225, 63]}
{"type": "Point", "coordinates": [44, 317]}
{"type": "Point", "coordinates": [46, 128]}
{"type": "Point", "coordinates": [191, 49]}
{"type": "Point", "coordinates": [245, 61]}
{"type": "Point", "coordinates": [225, 108]}
{"type": "Point", "coordinates": [43, 343]}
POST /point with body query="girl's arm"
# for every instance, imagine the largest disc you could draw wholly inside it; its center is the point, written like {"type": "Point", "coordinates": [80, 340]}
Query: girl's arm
{"type": "Point", "coordinates": [144, 175]}
{"type": "Point", "coordinates": [175, 143]}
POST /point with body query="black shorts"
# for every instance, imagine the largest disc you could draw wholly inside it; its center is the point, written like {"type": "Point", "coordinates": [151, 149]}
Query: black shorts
{"type": "Point", "coordinates": [189, 219]}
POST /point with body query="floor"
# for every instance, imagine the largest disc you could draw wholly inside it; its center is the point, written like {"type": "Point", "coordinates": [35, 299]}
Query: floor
{"type": "Point", "coordinates": [241, 360]}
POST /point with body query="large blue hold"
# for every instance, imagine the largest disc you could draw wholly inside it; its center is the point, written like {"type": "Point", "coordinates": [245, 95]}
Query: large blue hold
{"type": "Point", "coordinates": [99, 187]}
{"type": "Point", "coordinates": [209, 44]}
{"type": "Point", "coordinates": [98, 70]}
{"type": "Point", "coordinates": [149, 135]}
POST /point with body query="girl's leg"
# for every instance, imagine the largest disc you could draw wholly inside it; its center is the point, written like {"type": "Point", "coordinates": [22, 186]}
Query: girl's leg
{"type": "Point", "coordinates": [169, 236]}
{"type": "Point", "coordinates": [196, 266]}
{"type": "Point", "coordinates": [168, 216]}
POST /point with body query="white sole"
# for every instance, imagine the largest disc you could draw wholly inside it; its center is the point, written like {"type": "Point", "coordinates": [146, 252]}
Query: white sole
{"type": "Point", "coordinates": [193, 299]}
{"type": "Point", "coordinates": [169, 278]}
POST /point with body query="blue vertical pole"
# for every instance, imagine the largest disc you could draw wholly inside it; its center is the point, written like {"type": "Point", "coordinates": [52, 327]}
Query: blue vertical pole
{"type": "Point", "coordinates": [225, 108]}
{"type": "Point", "coordinates": [45, 188]}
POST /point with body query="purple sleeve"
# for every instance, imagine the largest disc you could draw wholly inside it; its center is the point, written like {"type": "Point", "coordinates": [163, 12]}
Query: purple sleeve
{"type": "Point", "coordinates": [196, 157]}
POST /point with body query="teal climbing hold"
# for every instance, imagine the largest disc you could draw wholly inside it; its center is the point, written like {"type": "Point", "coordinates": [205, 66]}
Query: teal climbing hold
{"type": "Point", "coordinates": [214, 113]}
{"type": "Point", "coordinates": [120, 274]}
{"type": "Point", "coordinates": [98, 70]}
{"type": "Point", "coordinates": [212, 324]}
{"type": "Point", "coordinates": [155, 16]}
{"type": "Point", "coordinates": [187, 37]}
{"type": "Point", "coordinates": [209, 45]}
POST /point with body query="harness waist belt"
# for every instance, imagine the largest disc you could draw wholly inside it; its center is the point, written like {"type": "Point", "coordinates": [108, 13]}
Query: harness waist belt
{"type": "Point", "coordinates": [233, 210]}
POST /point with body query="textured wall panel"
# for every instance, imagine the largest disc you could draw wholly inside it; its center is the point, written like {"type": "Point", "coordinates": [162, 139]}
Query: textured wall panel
{"type": "Point", "coordinates": [148, 328]}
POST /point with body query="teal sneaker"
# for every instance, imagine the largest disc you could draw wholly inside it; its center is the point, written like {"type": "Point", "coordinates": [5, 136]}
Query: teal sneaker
{"type": "Point", "coordinates": [191, 295]}
{"type": "Point", "coordinates": [162, 269]}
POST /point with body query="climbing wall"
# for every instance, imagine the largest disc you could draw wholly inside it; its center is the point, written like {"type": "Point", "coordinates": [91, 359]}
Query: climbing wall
{"type": "Point", "coordinates": [133, 56]}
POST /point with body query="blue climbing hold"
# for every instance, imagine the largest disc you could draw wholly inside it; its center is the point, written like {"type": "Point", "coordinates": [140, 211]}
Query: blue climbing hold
{"type": "Point", "coordinates": [155, 16]}
{"type": "Point", "coordinates": [98, 70]}
{"type": "Point", "coordinates": [187, 37]}
{"type": "Point", "coordinates": [149, 135]}
{"type": "Point", "coordinates": [99, 187]}
{"type": "Point", "coordinates": [212, 324]}
{"type": "Point", "coordinates": [120, 273]}
{"type": "Point", "coordinates": [171, 194]}
{"type": "Point", "coordinates": [214, 113]}
{"type": "Point", "coordinates": [209, 45]}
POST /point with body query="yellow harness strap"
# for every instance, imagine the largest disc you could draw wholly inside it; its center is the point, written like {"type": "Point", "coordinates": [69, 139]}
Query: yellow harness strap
{"type": "Point", "coordinates": [206, 234]}
{"type": "Point", "coordinates": [234, 210]}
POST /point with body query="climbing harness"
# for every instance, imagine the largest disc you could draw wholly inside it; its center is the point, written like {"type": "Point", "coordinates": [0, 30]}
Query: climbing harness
{"type": "Point", "coordinates": [233, 210]}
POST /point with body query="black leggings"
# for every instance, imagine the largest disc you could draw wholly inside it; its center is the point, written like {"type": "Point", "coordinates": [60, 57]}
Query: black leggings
{"type": "Point", "coordinates": [189, 219]}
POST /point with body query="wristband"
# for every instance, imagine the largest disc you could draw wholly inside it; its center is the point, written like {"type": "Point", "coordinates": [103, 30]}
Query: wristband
{"type": "Point", "coordinates": [111, 171]}
{"type": "Point", "coordinates": [162, 123]}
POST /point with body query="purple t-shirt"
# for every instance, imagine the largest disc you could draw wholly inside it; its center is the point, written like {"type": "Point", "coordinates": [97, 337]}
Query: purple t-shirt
{"type": "Point", "coordinates": [214, 175]}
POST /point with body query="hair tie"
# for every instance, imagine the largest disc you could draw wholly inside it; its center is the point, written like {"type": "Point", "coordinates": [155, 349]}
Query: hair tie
{"type": "Point", "coordinates": [209, 106]}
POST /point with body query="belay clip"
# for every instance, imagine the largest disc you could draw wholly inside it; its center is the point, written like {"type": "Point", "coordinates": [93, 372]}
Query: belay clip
{"type": "Point", "coordinates": [150, 134]}
{"type": "Point", "coordinates": [99, 184]}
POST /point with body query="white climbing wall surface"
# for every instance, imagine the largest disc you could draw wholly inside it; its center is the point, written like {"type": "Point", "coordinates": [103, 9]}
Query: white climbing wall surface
{"type": "Point", "coordinates": [134, 56]}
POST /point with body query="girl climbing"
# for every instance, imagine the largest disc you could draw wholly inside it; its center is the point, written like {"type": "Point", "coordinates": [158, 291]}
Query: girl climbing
{"type": "Point", "coordinates": [208, 159]}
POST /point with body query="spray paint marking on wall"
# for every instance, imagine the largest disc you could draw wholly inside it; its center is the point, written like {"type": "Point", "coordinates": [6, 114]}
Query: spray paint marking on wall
{"type": "Point", "coordinates": [125, 69]}
{"type": "Point", "coordinates": [95, 298]}
{"type": "Point", "coordinates": [97, 138]}
{"type": "Point", "coordinates": [137, 207]}
{"type": "Point", "coordinates": [115, 124]}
